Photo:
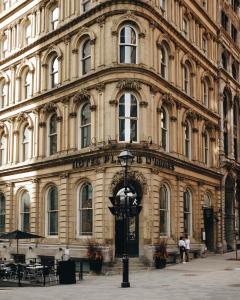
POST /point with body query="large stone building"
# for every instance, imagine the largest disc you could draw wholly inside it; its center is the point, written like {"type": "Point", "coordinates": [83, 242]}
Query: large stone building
{"type": "Point", "coordinates": [82, 80]}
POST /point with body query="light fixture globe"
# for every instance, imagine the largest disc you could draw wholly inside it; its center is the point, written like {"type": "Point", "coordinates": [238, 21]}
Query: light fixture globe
{"type": "Point", "coordinates": [125, 157]}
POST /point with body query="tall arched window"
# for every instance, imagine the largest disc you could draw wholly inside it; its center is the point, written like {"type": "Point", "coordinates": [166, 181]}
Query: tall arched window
{"type": "Point", "coordinates": [205, 93]}
{"type": "Point", "coordinates": [2, 212]}
{"type": "Point", "coordinates": [54, 72]}
{"type": "Point", "coordinates": [224, 61]}
{"type": "Point", "coordinates": [85, 125]}
{"type": "Point", "coordinates": [52, 211]}
{"type": "Point", "coordinates": [25, 212]}
{"type": "Point", "coordinates": [4, 47]}
{"type": "Point", "coordinates": [86, 57]}
{"type": "Point", "coordinates": [164, 211]}
{"type": "Point", "coordinates": [128, 118]}
{"type": "Point", "coordinates": [85, 210]}
{"type": "Point", "coordinates": [187, 212]}
{"type": "Point", "coordinates": [27, 85]}
{"type": "Point", "coordinates": [226, 101]}
{"type": "Point", "coordinates": [207, 201]}
{"type": "Point", "coordinates": [27, 33]}
{"type": "Point", "coordinates": [3, 94]}
{"type": "Point", "coordinates": [186, 79]}
{"type": "Point", "coordinates": [52, 134]}
{"type": "Point", "coordinates": [54, 17]}
{"type": "Point", "coordinates": [235, 68]}
{"type": "Point", "coordinates": [187, 140]}
{"type": "Point", "coordinates": [164, 129]}
{"type": "Point", "coordinates": [164, 62]}
{"type": "Point", "coordinates": [2, 149]}
{"type": "Point", "coordinates": [235, 127]}
{"type": "Point", "coordinates": [128, 45]}
{"type": "Point", "coordinates": [185, 27]}
{"type": "Point", "coordinates": [25, 143]}
{"type": "Point", "coordinates": [206, 148]}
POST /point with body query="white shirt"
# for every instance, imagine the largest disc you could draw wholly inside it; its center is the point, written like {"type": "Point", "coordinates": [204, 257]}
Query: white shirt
{"type": "Point", "coordinates": [187, 243]}
{"type": "Point", "coordinates": [181, 243]}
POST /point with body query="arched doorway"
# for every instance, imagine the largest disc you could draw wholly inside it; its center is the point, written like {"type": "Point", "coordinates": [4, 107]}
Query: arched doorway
{"type": "Point", "coordinates": [133, 230]}
{"type": "Point", "coordinates": [229, 212]}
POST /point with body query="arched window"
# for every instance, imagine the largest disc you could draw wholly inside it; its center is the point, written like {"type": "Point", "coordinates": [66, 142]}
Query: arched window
{"type": "Point", "coordinates": [52, 134]}
{"type": "Point", "coordinates": [128, 45]}
{"type": "Point", "coordinates": [54, 17]}
{"type": "Point", "coordinates": [52, 211]}
{"type": "Point", "coordinates": [207, 201]}
{"type": "Point", "coordinates": [54, 72]}
{"type": "Point", "coordinates": [2, 212]}
{"type": "Point", "coordinates": [128, 118]}
{"type": "Point", "coordinates": [206, 148]}
{"type": "Point", "coordinates": [186, 79]}
{"type": "Point", "coordinates": [25, 143]}
{"type": "Point", "coordinates": [85, 125]}
{"type": "Point", "coordinates": [25, 212]}
{"type": "Point", "coordinates": [86, 57]}
{"type": "Point", "coordinates": [3, 94]}
{"type": "Point", "coordinates": [225, 104]}
{"type": "Point", "coordinates": [205, 45]}
{"type": "Point", "coordinates": [185, 27]}
{"type": "Point", "coordinates": [27, 86]}
{"type": "Point", "coordinates": [164, 129]}
{"type": "Point", "coordinates": [235, 70]}
{"type": "Point", "coordinates": [187, 139]}
{"type": "Point", "coordinates": [27, 33]}
{"type": "Point", "coordinates": [224, 61]}
{"type": "Point", "coordinates": [2, 149]}
{"type": "Point", "coordinates": [85, 210]}
{"type": "Point", "coordinates": [4, 47]}
{"type": "Point", "coordinates": [164, 62]}
{"type": "Point", "coordinates": [226, 99]}
{"type": "Point", "coordinates": [205, 93]}
{"type": "Point", "coordinates": [187, 212]}
{"type": "Point", "coordinates": [164, 211]}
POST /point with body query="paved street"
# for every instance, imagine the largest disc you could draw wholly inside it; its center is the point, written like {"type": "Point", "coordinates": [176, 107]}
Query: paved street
{"type": "Point", "coordinates": [214, 277]}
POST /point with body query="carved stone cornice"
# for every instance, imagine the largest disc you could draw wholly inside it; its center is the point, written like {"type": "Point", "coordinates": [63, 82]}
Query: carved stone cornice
{"type": "Point", "coordinates": [168, 99]}
{"type": "Point", "coordinates": [49, 107]}
{"type": "Point", "coordinates": [100, 87]}
{"type": "Point", "coordinates": [191, 115]}
{"type": "Point", "coordinates": [82, 96]}
{"type": "Point", "coordinates": [129, 84]}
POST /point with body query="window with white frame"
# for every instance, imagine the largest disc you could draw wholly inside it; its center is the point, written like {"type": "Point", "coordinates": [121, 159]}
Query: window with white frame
{"type": "Point", "coordinates": [2, 213]}
{"type": "Point", "coordinates": [164, 129]}
{"type": "Point", "coordinates": [4, 47]}
{"type": "Point", "coordinates": [3, 94]}
{"type": "Point", "coordinates": [25, 143]}
{"type": "Point", "coordinates": [164, 211]}
{"type": "Point", "coordinates": [85, 207]}
{"type": "Point", "coordinates": [5, 4]}
{"type": "Point", "coordinates": [25, 212]}
{"type": "Point", "coordinates": [2, 149]}
{"type": "Point", "coordinates": [54, 71]}
{"type": "Point", "coordinates": [164, 62]}
{"type": "Point", "coordinates": [206, 148]}
{"type": "Point", "coordinates": [185, 27]}
{"type": "Point", "coordinates": [128, 45]}
{"type": "Point", "coordinates": [85, 125]}
{"type": "Point", "coordinates": [86, 56]}
{"type": "Point", "coordinates": [52, 134]}
{"type": "Point", "coordinates": [187, 140]}
{"type": "Point", "coordinates": [205, 92]}
{"type": "Point", "coordinates": [27, 85]}
{"type": "Point", "coordinates": [28, 33]}
{"type": "Point", "coordinates": [86, 5]}
{"type": "Point", "coordinates": [52, 211]}
{"type": "Point", "coordinates": [187, 212]}
{"type": "Point", "coordinates": [54, 17]}
{"type": "Point", "coordinates": [128, 118]}
{"type": "Point", "coordinates": [186, 79]}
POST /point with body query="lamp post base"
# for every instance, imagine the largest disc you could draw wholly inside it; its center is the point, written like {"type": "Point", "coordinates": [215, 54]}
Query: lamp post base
{"type": "Point", "coordinates": [125, 284]}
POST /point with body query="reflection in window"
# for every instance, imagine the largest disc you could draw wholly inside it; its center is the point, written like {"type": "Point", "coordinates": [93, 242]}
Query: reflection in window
{"type": "Point", "coordinates": [164, 128]}
{"type": "Point", "coordinates": [85, 125]}
{"type": "Point", "coordinates": [52, 211]}
{"type": "Point", "coordinates": [52, 135]}
{"type": "Point", "coordinates": [128, 45]}
{"type": "Point", "coordinates": [2, 149]}
{"type": "Point", "coordinates": [27, 86]}
{"type": "Point", "coordinates": [206, 148]}
{"type": "Point", "coordinates": [54, 72]}
{"type": "Point", "coordinates": [25, 143]}
{"type": "Point", "coordinates": [25, 212]}
{"type": "Point", "coordinates": [3, 94]}
{"type": "Point", "coordinates": [187, 211]}
{"type": "Point", "coordinates": [54, 18]}
{"type": "Point", "coordinates": [2, 213]}
{"type": "Point", "coordinates": [27, 34]}
{"type": "Point", "coordinates": [86, 57]}
{"type": "Point", "coordinates": [186, 78]}
{"type": "Point", "coordinates": [128, 117]}
{"type": "Point", "coordinates": [86, 5]}
{"type": "Point", "coordinates": [164, 211]}
{"type": "Point", "coordinates": [85, 210]}
{"type": "Point", "coordinates": [164, 62]}
{"type": "Point", "coordinates": [205, 93]}
{"type": "Point", "coordinates": [187, 139]}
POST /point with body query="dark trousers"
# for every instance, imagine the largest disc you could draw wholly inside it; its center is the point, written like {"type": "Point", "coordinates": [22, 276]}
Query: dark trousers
{"type": "Point", "coordinates": [181, 254]}
{"type": "Point", "coordinates": [187, 254]}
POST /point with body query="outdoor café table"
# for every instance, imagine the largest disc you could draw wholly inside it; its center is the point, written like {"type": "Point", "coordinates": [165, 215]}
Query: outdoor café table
{"type": "Point", "coordinates": [32, 271]}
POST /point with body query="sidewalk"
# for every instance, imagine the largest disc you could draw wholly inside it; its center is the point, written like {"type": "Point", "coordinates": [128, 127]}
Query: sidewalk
{"type": "Point", "coordinates": [214, 277]}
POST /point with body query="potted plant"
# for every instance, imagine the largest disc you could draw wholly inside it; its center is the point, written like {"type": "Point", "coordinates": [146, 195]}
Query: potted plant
{"type": "Point", "coordinates": [95, 256]}
{"type": "Point", "coordinates": [160, 254]}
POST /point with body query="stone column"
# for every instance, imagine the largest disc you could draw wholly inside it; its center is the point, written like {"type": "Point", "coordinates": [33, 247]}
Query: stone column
{"type": "Point", "coordinates": [101, 58]}
{"type": "Point", "coordinates": [35, 216]}
{"type": "Point", "coordinates": [99, 205]}
{"type": "Point", "coordinates": [9, 206]}
{"type": "Point", "coordinates": [101, 117]}
{"type": "Point", "coordinates": [16, 146]}
{"type": "Point", "coordinates": [42, 147]}
{"type": "Point", "coordinates": [179, 207]}
{"type": "Point", "coordinates": [67, 65]}
{"type": "Point", "coordinates": [63, 210]}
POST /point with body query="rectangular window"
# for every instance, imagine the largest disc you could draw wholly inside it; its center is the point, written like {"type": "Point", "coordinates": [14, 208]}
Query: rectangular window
{"type": "Point", "coordinates": [234, 33]}
{"type": "Point", "coordinates": [224, 20]}
{"type": "Point", "coordinates": [86, 5]}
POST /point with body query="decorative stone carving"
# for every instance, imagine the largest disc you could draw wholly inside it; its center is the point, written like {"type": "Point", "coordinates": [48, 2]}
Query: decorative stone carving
{"type": "Point", "coordinates": [168, 99]}
{"type": "Point", "coordinates": [143, 103]}
{"type": "Point", "coordinates": [113, 102]}
{"type": "Point", "coordinates": [191, 115]}
{"type": "Point", "coordinates": [82, 96]}
{"type": "Point", "coordinates": [100, 87]}
{"type": "Point", "coordinates": [42, 124]}
{"type": "Point", "coordinates": [73, 115]}
{"type": "Point", "coordinates": [129, 84]}
{"type": "Point", "coordinates": [49, 107]}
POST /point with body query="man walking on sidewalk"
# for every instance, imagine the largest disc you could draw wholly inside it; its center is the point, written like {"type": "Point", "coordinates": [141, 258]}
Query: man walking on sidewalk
{"type": "Point", "coordinates": [187, 247]}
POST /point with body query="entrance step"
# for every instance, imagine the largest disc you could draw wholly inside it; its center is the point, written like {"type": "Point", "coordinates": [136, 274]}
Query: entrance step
{"type": "Point", "coordinates": [135, 265]}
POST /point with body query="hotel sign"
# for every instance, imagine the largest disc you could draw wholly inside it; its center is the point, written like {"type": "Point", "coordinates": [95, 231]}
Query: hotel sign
{"type": "Point", "coordinates": [146, 159]}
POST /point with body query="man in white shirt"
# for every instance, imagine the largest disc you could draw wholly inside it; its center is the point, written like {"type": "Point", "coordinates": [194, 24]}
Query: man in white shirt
{"type": "Point", "coordinates": [182, 248]}
{"type": "Point", "coordinates": [187, 247]}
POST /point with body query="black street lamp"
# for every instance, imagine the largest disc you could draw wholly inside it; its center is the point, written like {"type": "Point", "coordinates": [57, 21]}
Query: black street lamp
{"type": "Point", "coordinates": [125, 158]}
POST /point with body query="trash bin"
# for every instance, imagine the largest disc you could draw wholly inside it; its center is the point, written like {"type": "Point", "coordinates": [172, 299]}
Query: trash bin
{"type": "Point", "coordinates": [66, 272]}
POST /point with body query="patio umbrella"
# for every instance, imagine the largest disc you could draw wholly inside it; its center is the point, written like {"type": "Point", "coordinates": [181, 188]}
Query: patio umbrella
{"type": "Point", "coordinates": [19, 235]}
